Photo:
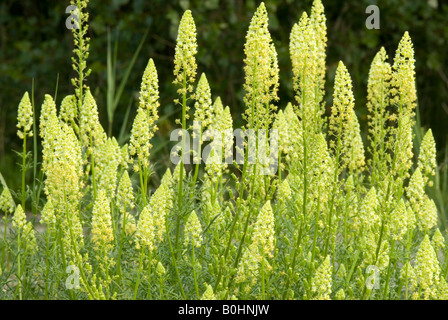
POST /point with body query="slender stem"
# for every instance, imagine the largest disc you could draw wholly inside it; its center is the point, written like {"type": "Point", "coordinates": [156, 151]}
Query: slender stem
{"type": "Point", "coordinates": [140, 267]}
{"type": "Point", "coordinates": [24, 173]}
{"type": "Point", "coordinates": [47, 256]}
{"type": "Point", "coordinates": [161, 288]}
{"type": "Point", "coordinates": [120, 248]}
{"type": "Point", "coordinates": [263, 289]}
{"type": "Point", "coordinates": [149, 269]}
{"type": "Point", "coordinates": [386, 286]}
{"type": "Point", "coordinates": [173, 258]}
{"type": "Point", "coordinates": [181, 173]}
{"type": "Point", "coordinates": [5, 246]}
{"type": "Point", "coordinates": [196, 170]}
{"type": "Point", "coordinates": [194, 273]}
{"type": "Point", "coordinates": [19, 259]}
{"type": "Point", "coordinates": [93, 168]}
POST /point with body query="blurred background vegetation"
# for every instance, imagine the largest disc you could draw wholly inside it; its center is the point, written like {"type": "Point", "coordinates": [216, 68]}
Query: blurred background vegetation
{"type": "Point", "coordinates": [35, 44]}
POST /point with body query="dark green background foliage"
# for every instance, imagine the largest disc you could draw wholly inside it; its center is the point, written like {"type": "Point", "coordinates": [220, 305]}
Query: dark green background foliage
{"type": "Point", "coordinates": [35, 44]}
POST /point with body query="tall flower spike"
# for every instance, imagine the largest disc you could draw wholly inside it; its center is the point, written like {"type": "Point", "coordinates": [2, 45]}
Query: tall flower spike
{"type": "Point", "coordinates": [6, 201]}
{"type": "Point", "coordinates": [161, 203]}
{"type": "Point", "coordinates": [427, 157]}
{"type": "Point", "coordinates": [186, 48]}
{"type": "Point", "coordinates": [318, 22]}
{"type": "Point", "coordinates": [263, 234]}
{"type": "Point", "coordinates": [378, 87]}
{"type": "Point", "coordinates": [427, 214]}
{"type": "Point", "coordinates": [140, 135]}
{"type": "Point", "coordinates": [322, 282]}
{"type": "Point", "coordinates": [102, 232]}
{"type": "Point", "coordinates": [222, 123]}
{"type": "Point", "coordinates": [403, 145]}
{"type": "Point", "coordinates": [427, 268]}
{"type": "Point", "coordinates": [416, 190]}
{"type": "Point", "coordinates": [404, 97]}
{"type": "Point", "coordinates": [398, 225]}
{"type": "Point", "coordinates": [262, 73]}
{"type": "Point", "coordinates": [144, 236]}
{"type": "Point", "coordinates": [19, 218]}
{"type": "Point", "coordinates": [48, 216]}
{"type": "Point", "coordinates": [49, 131]}
{"type": "Point", "coordinates": [203, 105]}
{"type": "Point", "coordinates": [25, 117]}
{"type": "Point", "coordinates": [403, 78]}
{"type": "Point", "coordinates": [48, 112]}
{"type": "Point", "coordinates": [149, 95]}
{"type": "Point", "coordinates": [202, 115]}
{"type": "Point", "coordinates": [307, 74]}
{"type": "Point", "coordinates": [107, 160]}
{"type": "Point", "coordinates": [368, 218]}
{"type": "Point", "coordinates": [344, 127]}
{"type": "Point", "coordinates": [92, 133]}
{"type": "Point", "coordinates": [193, 231]}
{"type": "Point", "coordinates": [68, 111]}
{"type": "Point", "coordinates": [125, 193]}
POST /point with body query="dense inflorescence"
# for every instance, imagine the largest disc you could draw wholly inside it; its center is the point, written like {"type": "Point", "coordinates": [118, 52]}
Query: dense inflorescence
{"type": "Point", "coordinates": [337, 218]}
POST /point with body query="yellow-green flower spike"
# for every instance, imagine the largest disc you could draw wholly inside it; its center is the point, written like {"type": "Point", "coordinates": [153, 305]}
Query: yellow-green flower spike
{"type": "Point", "coordinates": [69, 110]}
{"type": "Point", "coordinates": [378, 100]}
{"type": "Point", "coordinates": [203, 105]}
{"type": "Point", "coordinates": [47, 113]}
{"type": "Point", "coordinates": [92, 133]}
{"type": "Point", "coordinates": [318, 22]}
{"type": "Point", "coordinates": [398, 224]}
{"type": "Point", "coordinates": [261, 72]}
{"type": "Point", "coordinates": [264, 231]}
{"type": "Point", "coordinates": [427, 216]}
{"type": "Point", "coordinates": [25, 117]}
{"type": "Point", "coordinates": [125, 193]}
{"type": "Point", "coordinates": [144, 235]}
{"type": "Point", "coordinates": [160, 204]}
{"type": "Point", "coordinates": [416, 190]}
{"type": "Point", "coordinates": [48, 217]}
{"type": "Point", "coordinates": [19, 218]}
{"type": "Point", "coordinates": [107, 160]}
{"type": "Point", "coordinates": [427, 157]}
{"type": "Point", "coordinates": [344, 129]}
{"type": "Point", "coordinates": [186, 48]}
{"type": "Point", "coordinates": [427, 269]}
{"type": "Point", "coordinates": [193, 231]}
{"type": "Point", "coordinates": [403, 78]}
{"type": "Point", "coordinates": [102, 232]}
{"type": "Point", "coordinates": [7, 203]}
{"type": "Point", "coordinates": [208, 294]}
{"type": "Point", "coordinates": [403, 147]}
{"type": "Point", "coordinates": [149, 91]}
{"type": "Point", "coordinates": [139, 145]}
{"type": "Point", "coordinates": [438, 241]}
{"type": "Point", "coordinates": [321, 283]}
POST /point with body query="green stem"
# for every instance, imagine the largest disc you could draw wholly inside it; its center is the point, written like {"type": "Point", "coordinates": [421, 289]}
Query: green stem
{"type": "Point", "coordinates": [263, 288]}
{"type": "Point", "coordinates": [181, 173]}
{"type": "Point", "coordinates": [140, 267]}
{"type": "Point", "coordinates": [5, 247]}
{"type": "Point", "coordinates": [47, 258]}
{"type": "Point", "coordinates": [194, 273]}
{"type": "Point", "coordinates": [386, 286]}
{"type": "Point", "coordinates": [24, 173]}
{"type": "Point", "coordinates": [149, 269]}
{"type": "Point", "coordinates": [120, 248]}
{"type": "Point", "coordinates": [173, 258]}
{"type": "Point", "coordinates": [19, 259]}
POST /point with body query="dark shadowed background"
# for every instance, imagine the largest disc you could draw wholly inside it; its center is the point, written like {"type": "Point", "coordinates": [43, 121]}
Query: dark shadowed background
{"type": "Point", "coordinates": [35, 44]}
